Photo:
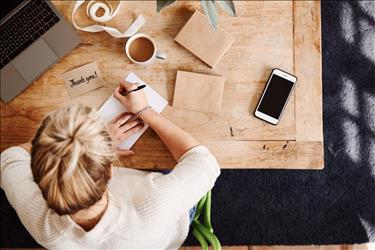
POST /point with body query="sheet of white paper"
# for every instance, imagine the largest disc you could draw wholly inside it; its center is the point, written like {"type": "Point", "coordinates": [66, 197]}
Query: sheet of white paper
{"type": "Point", "coordinates": [111, 108]}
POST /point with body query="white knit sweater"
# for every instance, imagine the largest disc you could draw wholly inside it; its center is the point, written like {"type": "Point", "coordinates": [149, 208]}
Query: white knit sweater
{"type": "Point", "coordinates": [145, 210]}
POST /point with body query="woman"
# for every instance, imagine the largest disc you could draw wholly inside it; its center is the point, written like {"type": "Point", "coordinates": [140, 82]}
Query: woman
{"type": "Point", "coordinates": [62, 190]}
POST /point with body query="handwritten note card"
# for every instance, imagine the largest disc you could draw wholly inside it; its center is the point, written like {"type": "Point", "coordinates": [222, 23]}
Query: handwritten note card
{"type": "Point", "coordinates": [82, 79]}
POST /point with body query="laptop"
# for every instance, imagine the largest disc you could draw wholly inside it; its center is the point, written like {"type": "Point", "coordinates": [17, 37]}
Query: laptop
{"type": "Point", "coordinates": [33, 36]}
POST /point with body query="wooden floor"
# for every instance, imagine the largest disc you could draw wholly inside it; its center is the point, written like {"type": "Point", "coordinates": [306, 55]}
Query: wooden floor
{"type": "Point", "coordinates": [367, 246]}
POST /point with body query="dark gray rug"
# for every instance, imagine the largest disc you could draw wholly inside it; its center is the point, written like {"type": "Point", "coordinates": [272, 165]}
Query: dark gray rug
{"type": "Point", "coordinates": [332, 206]}
{"type": "Point", "coordinates": [335, 205]}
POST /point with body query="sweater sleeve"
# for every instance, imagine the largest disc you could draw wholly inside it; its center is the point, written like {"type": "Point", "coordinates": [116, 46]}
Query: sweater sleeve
{"type": "Point", "coordinates": [23, 193]}
{"type": "Point", "coordinates": [165, 198]}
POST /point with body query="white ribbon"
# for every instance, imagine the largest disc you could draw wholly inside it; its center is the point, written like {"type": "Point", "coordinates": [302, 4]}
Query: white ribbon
{"type": "Point", "coordinates": [109, 13]}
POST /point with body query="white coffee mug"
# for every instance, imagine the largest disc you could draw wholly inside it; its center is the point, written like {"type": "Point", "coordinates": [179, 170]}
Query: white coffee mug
{"type": "Point", "coordinates": [156, 55]}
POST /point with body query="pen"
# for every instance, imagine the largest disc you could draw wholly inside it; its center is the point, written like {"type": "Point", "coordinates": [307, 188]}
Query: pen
{"type": "Point", "coordinates": [124, 93]}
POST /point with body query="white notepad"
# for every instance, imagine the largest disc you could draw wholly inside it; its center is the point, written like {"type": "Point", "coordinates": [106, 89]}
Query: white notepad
{"type": "Point", "coordinates": [112, 108]}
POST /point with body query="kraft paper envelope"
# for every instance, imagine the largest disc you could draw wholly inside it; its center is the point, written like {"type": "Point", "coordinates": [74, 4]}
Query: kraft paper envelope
{"type": "Point", "coordinates": [199, 38]}
{"type": "Point", "coordinates": [199, 92]}
{"type": "Point", "coordinates": [112, 108]}
{"type": "Point", "coordinates": [82, 79]}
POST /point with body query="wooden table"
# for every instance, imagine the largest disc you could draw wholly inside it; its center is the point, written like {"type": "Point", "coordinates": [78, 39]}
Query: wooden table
{"type": "Point", "coordinates": [268, 34]}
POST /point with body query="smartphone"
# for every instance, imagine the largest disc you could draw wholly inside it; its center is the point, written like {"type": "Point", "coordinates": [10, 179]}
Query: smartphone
{"type": "Point", "coordinates": [275, 96]}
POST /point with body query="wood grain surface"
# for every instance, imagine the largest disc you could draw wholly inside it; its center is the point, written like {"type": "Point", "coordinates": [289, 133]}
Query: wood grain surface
{"type": "Point", "coordinates": [268, 34]}
{"type": "Point", "coordinates": [308, 68]}
{"type": "Point", "coordinates": [365, 246]}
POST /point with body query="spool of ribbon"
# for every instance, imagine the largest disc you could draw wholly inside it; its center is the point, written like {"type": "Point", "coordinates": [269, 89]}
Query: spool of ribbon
{"type": "Point", "coordinates": [109, 12]}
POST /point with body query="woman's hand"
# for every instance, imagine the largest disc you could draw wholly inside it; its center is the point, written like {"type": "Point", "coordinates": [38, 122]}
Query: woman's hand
{"type": "Point", "coordinates": [134, 101]}
{"type": "Point", "coordinates": [121, 128]}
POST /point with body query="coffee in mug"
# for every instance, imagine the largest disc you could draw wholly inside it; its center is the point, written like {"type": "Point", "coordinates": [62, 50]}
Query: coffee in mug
{"type": "Point", "coordinates": [141, 49]}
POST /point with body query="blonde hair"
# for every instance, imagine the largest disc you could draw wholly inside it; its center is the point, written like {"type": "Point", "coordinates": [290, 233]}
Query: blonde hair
{"type": "Point", "coordinates": [71, 158]}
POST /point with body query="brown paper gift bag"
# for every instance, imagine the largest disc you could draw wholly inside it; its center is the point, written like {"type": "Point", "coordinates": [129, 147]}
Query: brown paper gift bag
{"type": "Point", "coordinates": [198, 92]}
{"type": "Point", "coordinates": [198, 37]}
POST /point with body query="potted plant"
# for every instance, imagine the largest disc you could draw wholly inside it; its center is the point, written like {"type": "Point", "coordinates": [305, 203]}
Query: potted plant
{"type": "Point", "coordinates": [209, 7]}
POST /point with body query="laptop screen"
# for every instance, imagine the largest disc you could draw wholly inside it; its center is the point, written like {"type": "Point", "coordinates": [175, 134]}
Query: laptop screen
{"type": "Point", "coordinates": [7, 6]}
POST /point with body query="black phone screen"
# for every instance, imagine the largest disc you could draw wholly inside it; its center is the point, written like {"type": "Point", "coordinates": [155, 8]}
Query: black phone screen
{"type": "Point", "coordinates": [275, 96]}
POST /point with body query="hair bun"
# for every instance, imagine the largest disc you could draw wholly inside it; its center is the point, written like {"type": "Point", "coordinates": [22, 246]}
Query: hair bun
{"type": "Point", "coordinates": [71, 158]}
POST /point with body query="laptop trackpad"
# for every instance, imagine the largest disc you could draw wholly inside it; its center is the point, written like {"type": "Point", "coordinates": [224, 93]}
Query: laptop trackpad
{"type": "Point", "coordinates": [34, 60]}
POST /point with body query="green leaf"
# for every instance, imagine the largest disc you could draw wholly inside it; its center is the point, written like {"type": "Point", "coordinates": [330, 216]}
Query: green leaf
{"type": "Point", "coordinates": [207, 213]}
{"type": "Point", "coordinates": [209, 9]}
{"type": "Point", "coordinates": [200, 206]}
{"type": "Point", "coordinates": [200, 238]}
{"type": "Point", "coordinates": [228, 6]}
{"type": "Point", "coordinates": [210, 237]}
{"type": "Point", "coordinates": [161, 4]}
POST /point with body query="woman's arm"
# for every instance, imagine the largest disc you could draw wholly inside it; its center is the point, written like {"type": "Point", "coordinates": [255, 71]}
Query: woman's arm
{"type": "Point", "coordinates": [176, 139]}
{"type": "Point", "coordinates": [167, 197]}
{"type": "Point", "coordinates": [163, 199]}
{"type": "Point", "coordinates": [23, 193]}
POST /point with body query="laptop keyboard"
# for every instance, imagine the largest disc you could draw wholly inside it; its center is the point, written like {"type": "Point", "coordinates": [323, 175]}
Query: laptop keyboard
{"type": "Point", "coordinates": [23, 28]}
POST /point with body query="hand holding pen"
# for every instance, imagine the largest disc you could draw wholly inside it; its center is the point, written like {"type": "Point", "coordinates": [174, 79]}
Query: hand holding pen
{"type": "Point", "coordinates": [125, 92]}
{"type": "Point", "coordinates": [131, 96]}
